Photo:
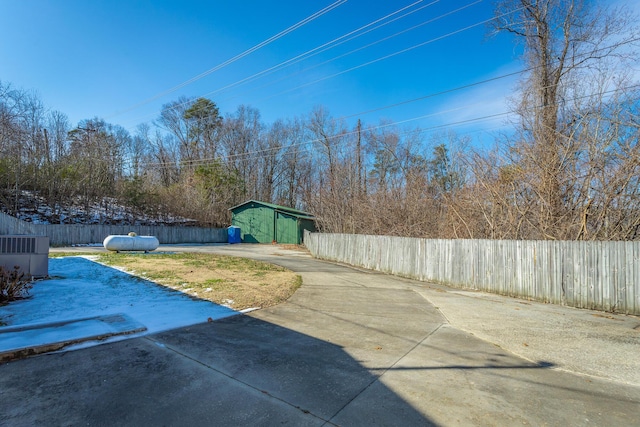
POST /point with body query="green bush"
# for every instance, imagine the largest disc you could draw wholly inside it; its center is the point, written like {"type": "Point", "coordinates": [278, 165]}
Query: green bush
{"type": "Point", "coordinates": [13, 284]}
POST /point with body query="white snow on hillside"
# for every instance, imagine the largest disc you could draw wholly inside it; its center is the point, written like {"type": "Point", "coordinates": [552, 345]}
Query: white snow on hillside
{"type": "Point", "coordinates": [33, 208]}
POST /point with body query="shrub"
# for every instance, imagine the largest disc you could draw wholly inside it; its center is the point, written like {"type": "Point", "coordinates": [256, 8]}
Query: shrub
{"type": "Point", "coordinates": [13, 284]}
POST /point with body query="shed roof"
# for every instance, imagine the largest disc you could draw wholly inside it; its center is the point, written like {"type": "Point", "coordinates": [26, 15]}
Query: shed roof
{"type": "Point", "coordinates": [284, 209]}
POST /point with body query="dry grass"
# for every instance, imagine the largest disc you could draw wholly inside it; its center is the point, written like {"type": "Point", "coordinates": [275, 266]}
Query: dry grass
{"type": "Point", "coordinates": [236, 282]}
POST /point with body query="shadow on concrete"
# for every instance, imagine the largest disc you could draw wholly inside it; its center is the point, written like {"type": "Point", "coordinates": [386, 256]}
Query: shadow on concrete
{"type": "Point", "coordinates": [235, 371]}
{"type": "Point", "coordinates": [315, 377]}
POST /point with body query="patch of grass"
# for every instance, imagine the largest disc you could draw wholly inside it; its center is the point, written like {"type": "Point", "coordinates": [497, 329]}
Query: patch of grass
{"type": "Point", "coordinates": [160, 275]}
{"type": "Point", "coordinates": [211, 282]}
{"type": "Point", "coordinates": [217, 278]}
{"type": "Point", "coordinates": [65, 254]}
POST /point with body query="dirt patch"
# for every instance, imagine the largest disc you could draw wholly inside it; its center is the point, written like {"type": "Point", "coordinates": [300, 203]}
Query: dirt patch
{"type": "Point", "coordinates": [235, 282]}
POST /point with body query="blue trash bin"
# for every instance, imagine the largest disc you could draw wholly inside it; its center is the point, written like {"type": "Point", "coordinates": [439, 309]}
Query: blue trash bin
{"type": "Point", "coordinates": [233, 234]}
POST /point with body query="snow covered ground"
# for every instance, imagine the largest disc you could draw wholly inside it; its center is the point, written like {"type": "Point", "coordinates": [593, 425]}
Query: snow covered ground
{"type": "Point", "coordinates": [80, 288]}
{"type": "Point", "coordinates": [33, 208]}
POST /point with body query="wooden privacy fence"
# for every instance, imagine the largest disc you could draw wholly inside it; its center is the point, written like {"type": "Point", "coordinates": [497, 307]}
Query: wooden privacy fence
{"type": "Point", "coordinates": [594, 275]}
{"type": "Point", "coordinates": [65, 235]}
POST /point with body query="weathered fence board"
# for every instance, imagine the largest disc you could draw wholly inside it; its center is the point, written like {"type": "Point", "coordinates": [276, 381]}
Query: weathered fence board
{"type": "Point", "coordinates": [593, 275]}
{"type": "Point", "coordinates": [66, 235]}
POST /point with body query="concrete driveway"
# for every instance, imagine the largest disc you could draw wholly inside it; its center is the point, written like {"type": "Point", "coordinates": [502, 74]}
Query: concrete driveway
{"type": "Point", "coordinates": [351, 347]}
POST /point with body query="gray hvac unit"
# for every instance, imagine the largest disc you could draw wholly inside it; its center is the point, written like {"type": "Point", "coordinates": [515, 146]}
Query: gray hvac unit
{"type": "Point", "coordinates": [30, 253]}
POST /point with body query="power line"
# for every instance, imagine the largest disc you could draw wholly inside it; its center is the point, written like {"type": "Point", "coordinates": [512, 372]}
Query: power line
{"type": "Point", "coordinates": [352, 35]}
{"type": "Point", "coordinates": [615, 45]}
{"type": "Point", "coordinates": [237, 57]}
{"type": "Point", "coordinates": [477, 83]}
{"type": "Point", "coordinates": [385, 57]}
{"type": "Point", "coordinates": [612, 46]}
{"type": "Point", "coordinates": [430, 21]}
{"type": "Point", "coordinates": [369, 45]}
{"type": "Point", "coordinates": [461, 87]}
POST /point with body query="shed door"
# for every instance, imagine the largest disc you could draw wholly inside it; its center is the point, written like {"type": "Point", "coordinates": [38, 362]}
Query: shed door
{"type": "Point", "coordinates": [245, 221]}
{"type": "Point", "coordinates": [250, 231]}
{"type": "Point", "coordinates": [286, 229]}
{"type": "Point", "coordinates": [256, 224]}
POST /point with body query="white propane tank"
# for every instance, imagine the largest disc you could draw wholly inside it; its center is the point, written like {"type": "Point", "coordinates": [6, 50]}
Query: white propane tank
{"type": "Point", "coordinates": [131, 243]}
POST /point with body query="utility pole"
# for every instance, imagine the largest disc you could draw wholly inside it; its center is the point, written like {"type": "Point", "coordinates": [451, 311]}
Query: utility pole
{"type": "Point", "coordinates": [359, 157]}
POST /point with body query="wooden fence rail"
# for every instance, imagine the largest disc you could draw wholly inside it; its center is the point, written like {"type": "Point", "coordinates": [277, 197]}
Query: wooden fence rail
{"type": "Point", "coordinates": [66, 235]}
{"type": "Point", "coordinates": [594, 275]}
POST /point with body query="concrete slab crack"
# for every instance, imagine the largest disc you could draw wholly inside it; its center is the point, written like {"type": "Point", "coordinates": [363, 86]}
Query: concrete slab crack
{"type": "Point", "coordinates": [384, 371]}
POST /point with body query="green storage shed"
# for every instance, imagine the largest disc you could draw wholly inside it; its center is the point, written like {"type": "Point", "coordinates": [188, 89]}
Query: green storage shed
{"type": "Point", "coordinates": [262, 222]}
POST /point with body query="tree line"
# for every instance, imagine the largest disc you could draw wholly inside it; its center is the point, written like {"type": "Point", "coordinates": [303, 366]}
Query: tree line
{"type": "Point", "coordinates": [569, 170]}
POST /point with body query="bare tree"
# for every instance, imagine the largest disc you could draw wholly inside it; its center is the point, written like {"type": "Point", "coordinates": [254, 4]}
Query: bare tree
{"type": "Point", "coordinates": [58, 127]}
{"type": "Point", "coordinates": [241, 138]}
{"type": "Point", "coordinates": [294, 166]}
{"type": "Point", "coordinates": [332, 148]}
{"type": "Point", "coordinates": [563, 41]}
{"type": "Point", "coordinates": [172, 119]}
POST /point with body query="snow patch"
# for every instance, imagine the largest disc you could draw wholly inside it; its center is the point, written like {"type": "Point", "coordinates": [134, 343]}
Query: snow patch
{"type": "Point", "coordinates": [81, 288]}
{"type": "Point", "coordinates": [34, 208]}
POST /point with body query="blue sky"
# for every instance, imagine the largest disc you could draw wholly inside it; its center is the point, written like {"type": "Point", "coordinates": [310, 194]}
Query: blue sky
{"type": "Point", "coordinates": [101, 58]}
